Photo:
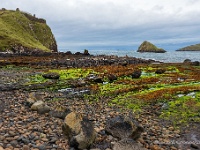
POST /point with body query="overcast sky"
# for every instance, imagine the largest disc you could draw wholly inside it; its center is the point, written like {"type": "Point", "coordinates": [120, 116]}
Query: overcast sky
{"type": "Point", "coordinates": [116, 24]}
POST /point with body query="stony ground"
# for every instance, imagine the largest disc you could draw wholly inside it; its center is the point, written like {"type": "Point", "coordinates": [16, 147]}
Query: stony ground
{"type": "Point", "coordinates": [21, 128]}
{"type": "Point", "coordinates": [25, 129]}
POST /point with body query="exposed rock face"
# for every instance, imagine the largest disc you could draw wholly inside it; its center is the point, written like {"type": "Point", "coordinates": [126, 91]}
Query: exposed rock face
{"type": "Point", "coordinates": [29, 33]}
{"type": "Point", "coordinates": [149, 47]}
{"type": "Point", "coordinates": [80, 131]}
{"type": "Point", "coordinates": [195, 47]}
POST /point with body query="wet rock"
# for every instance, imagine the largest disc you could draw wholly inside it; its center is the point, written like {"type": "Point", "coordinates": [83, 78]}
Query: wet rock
{"type": "Point", "coordinates": [51, 75]}
{"type": "Point", "coordinates": [80, 131]}
{"type": "Point", "coordinates": [94, 78]}
{"type": "Point", "coordinates": [136, 74]}
{"type": "Point", "coordinates": [128, 144]}
{"type": "Point", "coordinates": [123, 127]}
{"type": "Point", "coordinates": [196, 63]}
{"type": "Point", "coordinates": [194, 146]}
{"type": "Point", "coordinates": [111, 77]}
{"type": "Point", "coordinates": [160, 71]}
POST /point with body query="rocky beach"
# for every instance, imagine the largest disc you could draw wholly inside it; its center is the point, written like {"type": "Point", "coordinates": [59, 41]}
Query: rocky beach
{"type": "Point", "coordinates": [61, 101]}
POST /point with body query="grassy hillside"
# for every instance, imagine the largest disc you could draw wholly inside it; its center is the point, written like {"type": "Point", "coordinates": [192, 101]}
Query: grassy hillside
{"type": "Point", "coordinates": [191, 48]}
{"type": "Point", "coordinates": [19, 29]}
{"type": "Point", "coordinates": [149, 47]}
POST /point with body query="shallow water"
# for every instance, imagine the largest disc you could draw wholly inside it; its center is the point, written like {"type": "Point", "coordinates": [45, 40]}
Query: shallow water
{"type": "Point", "coordinates": [169, 56]}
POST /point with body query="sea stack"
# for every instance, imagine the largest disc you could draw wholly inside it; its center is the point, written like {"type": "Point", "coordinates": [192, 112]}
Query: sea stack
{"type": "Point", "coordinates": [149, 47]}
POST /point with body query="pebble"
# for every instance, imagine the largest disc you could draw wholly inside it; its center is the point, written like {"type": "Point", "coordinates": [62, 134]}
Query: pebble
{"type": "Point", "coordinates": [195, 146]}
{"type": "Point", "coordinates": [31, 130]}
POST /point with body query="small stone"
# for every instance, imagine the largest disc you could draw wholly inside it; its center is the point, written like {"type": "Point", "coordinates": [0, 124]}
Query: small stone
{"type": "Point", "coordinates": [14, 143]}
{"type": "Point", "coordinates": [2, 138]}
{"type": "Point", "coordinates": [25, 147]}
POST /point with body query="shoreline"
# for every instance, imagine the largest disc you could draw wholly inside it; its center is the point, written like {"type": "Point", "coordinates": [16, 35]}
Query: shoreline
{"type": "Point", "coordinates": [107, 79]}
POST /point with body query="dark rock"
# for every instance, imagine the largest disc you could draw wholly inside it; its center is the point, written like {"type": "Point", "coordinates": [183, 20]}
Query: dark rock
{"type": "Point", "coordinates": [196, 63]}
{"type": "Point", "coordinates": [80, 131]}
{"type": "Point", "coordinates": [59, 114]}
{"type": "Point", "coordinates": [194, 146]}
{"type": "Point", "coordinates": [94, 78]}
{"type": "Point", "coordinates": [44, 109]}
{"type": "Point", "coordinates": [14, 143]}
{"type": "Point", "coordinates": [111, 77]}
{"type": "Point", "coordinates": [187, 61]}
{"type": "Point", "coordinates": [160, 71]}
{"type": "Point", "coordinates": [86, 52]}
{"type": "Point", "coordinates": [128, 144]}
{"type": "Point", "coordinates": [123, 127]}
{"type": "Point", "coordinates": [51, 75]}
{"type": "Point", "coordinates": [136, 74]}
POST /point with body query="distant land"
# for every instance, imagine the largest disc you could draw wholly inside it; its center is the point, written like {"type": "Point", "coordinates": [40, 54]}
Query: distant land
{"type": "Point", "coordinates": [195, 47]}
{"type": "Point", "coordinates": [23, 32]}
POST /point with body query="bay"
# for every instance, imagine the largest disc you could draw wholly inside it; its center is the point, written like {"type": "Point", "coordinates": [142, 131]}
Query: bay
{"type": "Point", "coordinates": [169, 56]}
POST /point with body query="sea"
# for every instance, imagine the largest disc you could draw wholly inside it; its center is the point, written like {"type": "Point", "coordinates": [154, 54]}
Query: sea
{"type": "Point", "coordinates": [168, 57]}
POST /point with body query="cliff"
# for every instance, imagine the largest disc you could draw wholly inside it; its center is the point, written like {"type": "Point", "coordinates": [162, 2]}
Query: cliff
{"type": "Point", "coordinates": [149, 47]}
{"type": "Point", "coordinates": [195, 47]}
{"type": "Point", "coordinates": [20, 31]}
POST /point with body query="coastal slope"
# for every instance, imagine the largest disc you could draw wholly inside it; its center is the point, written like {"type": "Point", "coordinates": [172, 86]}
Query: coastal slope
{"type": "Point", "coordinates": [149, 47]}
{"type": "Point", "coordinates": [21, 31]}
{"type": "Point", "coordinates": [195, 47]}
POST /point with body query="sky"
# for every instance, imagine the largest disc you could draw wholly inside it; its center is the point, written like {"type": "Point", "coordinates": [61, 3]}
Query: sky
{"type": "Point", "coordinates": [116, 24]}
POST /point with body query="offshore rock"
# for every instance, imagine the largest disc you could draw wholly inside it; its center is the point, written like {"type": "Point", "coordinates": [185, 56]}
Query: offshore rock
{"type": "Point", "coordinates": [149, 47]}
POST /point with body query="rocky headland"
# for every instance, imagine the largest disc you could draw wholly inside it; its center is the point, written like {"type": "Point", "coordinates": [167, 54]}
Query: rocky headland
{"type": "Point", "coordinates": [22, 32]}
{"type": "Point", "coordinates": [195, 47]}
{"type": "Point", "coordinates": [149, 47]}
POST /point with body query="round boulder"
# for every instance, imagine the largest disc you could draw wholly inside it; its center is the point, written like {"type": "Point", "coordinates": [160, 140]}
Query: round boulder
{"type": "Point", "coordinates": [136, 74]}
{"type": "Point", "coordinates": [80, 131]}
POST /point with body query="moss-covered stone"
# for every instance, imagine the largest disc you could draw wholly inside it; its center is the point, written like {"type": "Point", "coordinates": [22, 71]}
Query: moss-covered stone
{"type": "Point", "coordinates": [149, 47]}
{"type": "Point", "coordinates": [20, 31]}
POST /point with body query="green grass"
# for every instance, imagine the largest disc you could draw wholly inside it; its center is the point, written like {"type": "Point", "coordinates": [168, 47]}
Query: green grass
{"type": "Point", "coordinates": [17, 29]}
